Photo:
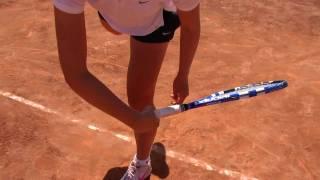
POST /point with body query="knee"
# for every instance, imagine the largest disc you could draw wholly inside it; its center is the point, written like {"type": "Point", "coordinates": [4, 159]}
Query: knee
{"type": "Point", "coordinates": [140, 101]}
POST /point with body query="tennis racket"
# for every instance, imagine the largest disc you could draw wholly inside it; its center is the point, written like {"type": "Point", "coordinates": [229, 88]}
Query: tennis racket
{"type": "Point", "coordinates": [250, 90]}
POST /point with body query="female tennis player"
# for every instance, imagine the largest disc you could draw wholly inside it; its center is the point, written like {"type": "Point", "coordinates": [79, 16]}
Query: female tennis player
{"type": "Point", "coordinates": [151, 25]}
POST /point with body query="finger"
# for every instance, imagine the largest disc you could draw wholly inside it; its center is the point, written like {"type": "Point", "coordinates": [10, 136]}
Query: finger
{"type": "Point", "coordinates": [174, 95]}
{"type": "Point", "coordinates": [181, 99]}
{"type": "Point", "coordinates": [174, 98]}
{"type": "Point", "coordinates": [178, 99]}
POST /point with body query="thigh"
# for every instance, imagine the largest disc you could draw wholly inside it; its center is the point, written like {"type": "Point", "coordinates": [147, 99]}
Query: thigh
{"type": "Point", "coordinates": [144, 66]}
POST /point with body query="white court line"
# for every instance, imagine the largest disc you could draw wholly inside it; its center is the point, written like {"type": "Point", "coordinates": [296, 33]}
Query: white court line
{"type": "Point", "coordinates": [170, 153]}
{"type": "Point", "coordinates": [27, 102]}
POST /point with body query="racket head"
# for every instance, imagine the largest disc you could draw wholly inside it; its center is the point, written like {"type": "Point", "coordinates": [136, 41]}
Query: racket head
{"type": "Point", "coordinates": [249, 90]}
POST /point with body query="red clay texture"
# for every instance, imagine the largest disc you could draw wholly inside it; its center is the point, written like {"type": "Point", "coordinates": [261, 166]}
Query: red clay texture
{"type": "Point", "coordinates": [270, 137]}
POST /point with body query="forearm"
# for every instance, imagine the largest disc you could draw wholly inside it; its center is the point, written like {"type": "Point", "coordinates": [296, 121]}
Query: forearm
{"type": "Point", "coordinates": [96, 93]}
{"type": "Point", "coordinates": [72, 48]}
{"type": "Point", "coordinates": [188, 45]}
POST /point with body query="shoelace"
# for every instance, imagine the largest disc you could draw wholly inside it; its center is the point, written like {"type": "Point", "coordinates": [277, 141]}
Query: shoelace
{"type": "Point", "coordinates": [132, 170]}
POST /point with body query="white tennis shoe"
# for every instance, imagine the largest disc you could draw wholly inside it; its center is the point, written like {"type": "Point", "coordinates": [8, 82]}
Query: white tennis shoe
{"type": "Point", "coordinates": [138, 171]}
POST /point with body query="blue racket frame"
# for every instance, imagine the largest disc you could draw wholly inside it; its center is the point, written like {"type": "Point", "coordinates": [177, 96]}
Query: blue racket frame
{"type": "Point", "coordinates": [237, 93]}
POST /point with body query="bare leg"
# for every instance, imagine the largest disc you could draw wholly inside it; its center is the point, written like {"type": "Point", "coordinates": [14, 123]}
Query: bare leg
{"type": "Point", "coordinates": [144, 67]}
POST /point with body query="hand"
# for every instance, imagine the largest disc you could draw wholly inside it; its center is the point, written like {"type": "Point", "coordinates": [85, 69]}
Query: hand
{"type": "Point", "coordinates": [180, 89]}
{"type": "Point", "coordinates": [146, 121]}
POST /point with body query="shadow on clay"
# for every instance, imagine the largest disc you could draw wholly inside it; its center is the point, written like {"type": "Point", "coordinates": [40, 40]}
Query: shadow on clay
{"type": "Point", "coordinates": [159, 165]}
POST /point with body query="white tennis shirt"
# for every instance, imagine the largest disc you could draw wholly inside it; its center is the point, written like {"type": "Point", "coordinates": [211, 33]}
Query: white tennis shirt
{"type": "Point", "coordinates": [134, 17]}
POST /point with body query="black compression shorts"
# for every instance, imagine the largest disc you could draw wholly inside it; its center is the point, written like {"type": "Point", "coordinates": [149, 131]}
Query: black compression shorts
{"type": "Point", "coordinates": [164, 33]}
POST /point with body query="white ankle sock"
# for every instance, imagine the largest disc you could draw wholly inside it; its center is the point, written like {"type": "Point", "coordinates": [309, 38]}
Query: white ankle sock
{"type": "Point", "coordinates": [142, 162]}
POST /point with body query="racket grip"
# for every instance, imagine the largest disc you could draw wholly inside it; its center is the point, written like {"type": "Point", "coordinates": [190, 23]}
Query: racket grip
{"type": "Point", "coordinates": [168, 111]}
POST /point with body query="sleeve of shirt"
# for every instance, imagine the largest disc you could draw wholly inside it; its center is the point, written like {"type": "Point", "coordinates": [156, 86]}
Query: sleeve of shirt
{"type": "Point", "coordinates": [70, 6]}
{"type": "Point", "coordinates": [186, 5]}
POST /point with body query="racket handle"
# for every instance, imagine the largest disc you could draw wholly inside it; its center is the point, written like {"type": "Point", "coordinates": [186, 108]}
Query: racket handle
{"type": "Point", "coordinates": [168, 111]}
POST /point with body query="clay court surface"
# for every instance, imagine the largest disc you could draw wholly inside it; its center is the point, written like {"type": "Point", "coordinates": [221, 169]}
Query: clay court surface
{"type": "Point", "coordinates": [48, 132]}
